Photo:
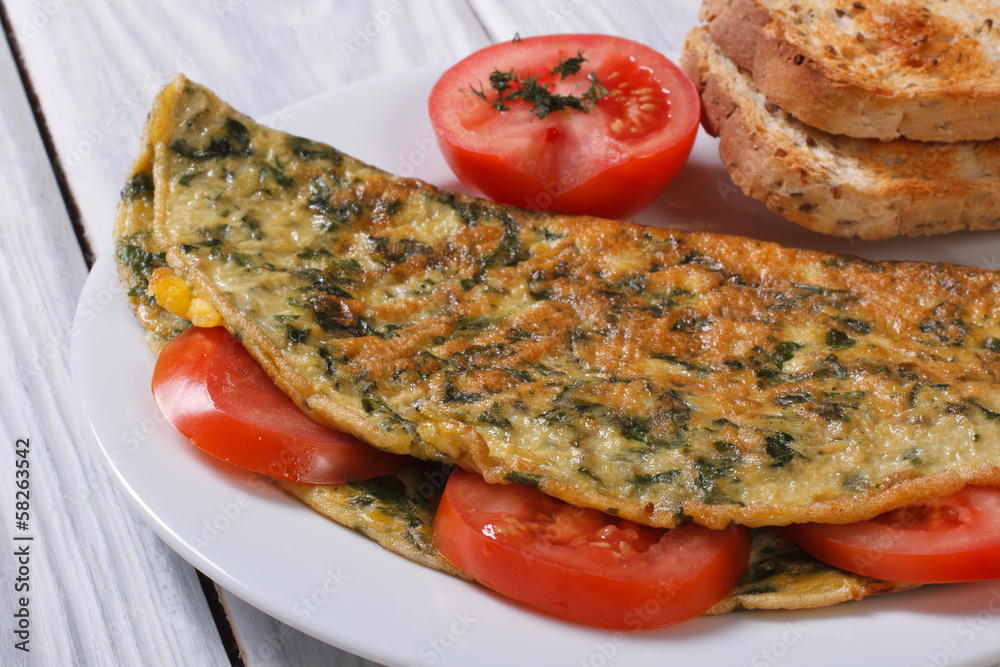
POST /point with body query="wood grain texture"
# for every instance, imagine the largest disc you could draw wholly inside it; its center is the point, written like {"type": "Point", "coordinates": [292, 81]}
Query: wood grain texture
{"type": "Point", "coordinates": [266, 641]}
{"type": "Point", "coordinates": [96, 66]}
{"type": "Point", "coordinates": [660, 24]}
{"type": "Point", "coordinates": [102, 586]}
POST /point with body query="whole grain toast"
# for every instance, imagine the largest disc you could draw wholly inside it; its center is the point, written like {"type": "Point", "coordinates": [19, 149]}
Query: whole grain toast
{"type": "Point", "coordinates": [873, 68]}
{"type": "Point", "coordinates": [835, 184]}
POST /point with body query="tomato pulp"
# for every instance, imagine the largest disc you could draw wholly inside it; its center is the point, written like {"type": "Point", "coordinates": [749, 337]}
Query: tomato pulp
{"type": "Point", "coordinates": [580, 564]}
{"type": "Point", "coordinates": [611, 161]}
{"type": "Point", "coordinates": [943, 540]}
{"type": "Point", "coordinates": [213, 391]}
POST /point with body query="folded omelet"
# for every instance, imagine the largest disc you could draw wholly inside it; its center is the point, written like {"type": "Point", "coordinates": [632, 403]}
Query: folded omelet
{"type": "Point", "coordinates": [658, 375]}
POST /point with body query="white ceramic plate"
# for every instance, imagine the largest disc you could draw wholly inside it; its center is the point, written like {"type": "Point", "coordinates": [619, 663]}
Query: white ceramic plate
{"type": "Point", "coordinates": [335, 585]}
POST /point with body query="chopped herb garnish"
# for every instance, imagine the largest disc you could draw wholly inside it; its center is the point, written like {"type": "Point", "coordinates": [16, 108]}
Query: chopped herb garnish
{"type": "Point", "coordinates": [784, 352]}
{"type": "Point", "coordinates": [276, 172]}
{"type": "Point", "coordinates": [791, 399]}
{"type": "Point", "coordinates": [234, 143]}
{"type": "Point", "coordinates": [493, 416]}
{"type": "Point", "coordinates": [311, 150]}
{"type": "Point", "coordinates": [240, 258]}
{"type": "Point", "coordinates": [858, 327]}
{"type": "Point", "coordinates": [327, 358]}
{"type": "Point", "coordinates": [989, 414]}
{"type": "Point", "coordinates": [253, 228]}
{"type": "Point", "coordinates": [856, 482]}
{"type": "Point", "coordinates": [140, 261]}
{"type": "Point", "coordinates": [691, 324]}
{"type": "Point", "coordinates": [838, 338]}
{"type": "Point", "coordinates": [398, 251]}
{"type": "Point", "coordinates": [509, 86]}
{"type": "Point", "coordinates": [945, 326]}
{"type": "Point", "coordinates": [658, 478]}
{"type": "Point", "coordinates": [777, 447]}
{"type": "Point", "coordinates": [296, 335]}
{"type": "Point", "coordinates": [525, 478]}
{"type": "Point", "coordinates": [313, 253]}
{"type": "Point", "coordinates": [687, 365]}
{"type": "Point", "coordinates": [569, 66]}
{"type": "Point", "coordinates": [634, 283]}
{"type": "Point", "coordinates": [336, 317]}
{"type": "Point", "coordinates": [914, 455]}
{"type": "Point", "coordinates": [390, 495]}
{"type": "Point", "coordinates": [141, 184]}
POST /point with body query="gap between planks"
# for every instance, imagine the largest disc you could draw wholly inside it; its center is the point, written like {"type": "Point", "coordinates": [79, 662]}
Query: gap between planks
{"type": "Point", "coordinates": [72, 209]}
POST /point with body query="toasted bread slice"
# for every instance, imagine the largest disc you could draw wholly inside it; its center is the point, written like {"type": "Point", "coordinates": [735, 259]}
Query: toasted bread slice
{"type": "Point", "coordinates": [835, 184]}
{"type": "Point", "coordinates": [876, 68]}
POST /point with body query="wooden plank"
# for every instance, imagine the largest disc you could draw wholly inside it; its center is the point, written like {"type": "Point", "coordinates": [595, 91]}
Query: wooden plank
{"type": "Point", "coordinates": [105, 61]}
{"type": "Point", "coordinates": [651, 22]}
{"type": "Point", "coordinates": [101, 586]}
{"type": "Point", "coordinates": [264, 640]}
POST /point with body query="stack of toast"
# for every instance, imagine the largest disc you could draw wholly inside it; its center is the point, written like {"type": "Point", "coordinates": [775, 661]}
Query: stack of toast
{"type": "Point", "coordinates": [867, 119]}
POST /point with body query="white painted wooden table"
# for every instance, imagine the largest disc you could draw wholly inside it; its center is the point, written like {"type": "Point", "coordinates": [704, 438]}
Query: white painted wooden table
{"type": "Point", "coordinates": [76, 80]}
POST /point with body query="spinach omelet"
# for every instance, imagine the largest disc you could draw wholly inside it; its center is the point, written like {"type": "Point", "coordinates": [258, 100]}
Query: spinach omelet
{"type": "Point", "coordinates": [658, 375]}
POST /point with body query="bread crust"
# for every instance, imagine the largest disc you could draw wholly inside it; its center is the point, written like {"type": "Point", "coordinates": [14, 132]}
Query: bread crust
{"type": "Point", "coordinates": [909, 71]}
{"type": "Point", "coordinates": [839, 185]}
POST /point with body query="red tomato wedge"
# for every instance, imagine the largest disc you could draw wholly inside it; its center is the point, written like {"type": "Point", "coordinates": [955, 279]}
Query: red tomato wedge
{"type": "Point", "coordinates": [611, 161]}
{"type": "Point", "coordinates": [945, 540]}
{"type": "Point", "coordinates": [209, 387]}
{"type": "Point", "coordinates": [580, 564]}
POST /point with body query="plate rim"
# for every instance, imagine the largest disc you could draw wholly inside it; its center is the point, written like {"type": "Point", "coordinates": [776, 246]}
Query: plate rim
{"type": "Point", "coordinates": [389, 652]}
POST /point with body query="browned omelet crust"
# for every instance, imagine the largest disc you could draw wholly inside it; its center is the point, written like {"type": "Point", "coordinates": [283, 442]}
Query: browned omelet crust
{"type": "Point", "coordinates": [397, 511]}
{"type": "Point", "coordinates": [660, 375]}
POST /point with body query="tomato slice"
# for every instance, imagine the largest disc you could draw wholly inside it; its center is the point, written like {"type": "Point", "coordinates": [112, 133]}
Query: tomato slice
{"type": "Point", "coordinates": [611, 161]}
{"type": "Point", "coordinates": [580, 564]}
{"type": "Point", "coordinates": [944, 540]}
{"type": "Point", "coordinates": [209, 387]}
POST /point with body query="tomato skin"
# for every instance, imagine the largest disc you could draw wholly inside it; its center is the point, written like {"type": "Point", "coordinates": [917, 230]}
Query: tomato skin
{"type": "Point", "coordinates": [213, 391]}
{"type": "Point", "coordinates": [570, 161]}
{"type": "Point", "coordinates": [947, 540]}
{"type": "Point", "coordinates": [667, 577]}
{"type": "Point", "coordinates": [601, 196]}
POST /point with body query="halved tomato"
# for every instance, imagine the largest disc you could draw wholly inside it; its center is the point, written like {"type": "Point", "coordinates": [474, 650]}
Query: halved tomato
{"type": "Point", "coordinates": [209, 387]}
{"type": "Point", "coordinates": [943, 540]}
{"type": "Point", "coordinates": [581, 564]}
{"type": "Point", "coordinates": [610, 154]}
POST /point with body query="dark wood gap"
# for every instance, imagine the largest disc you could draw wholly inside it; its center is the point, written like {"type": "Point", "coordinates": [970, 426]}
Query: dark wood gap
{"type": "Point", "coordinates": [222, 623]}
{"type": "Point", "coordinates": [43, 129]}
